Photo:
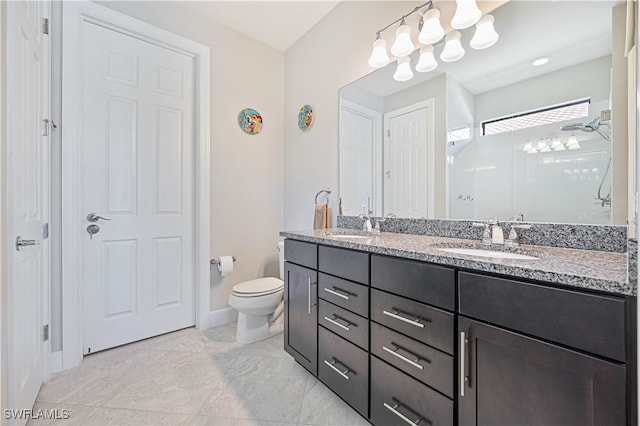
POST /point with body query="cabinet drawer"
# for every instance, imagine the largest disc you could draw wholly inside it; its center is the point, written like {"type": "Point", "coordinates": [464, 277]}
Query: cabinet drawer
{"type": "Point", "coordinates": [347, 294]}
{"type": "Point", "coordinates": [350, 264]}
{"type": "Point", "coordinates": [352, 327]}
{"type": "Point", "coordinates": [589, 322]}
{"type": "Point", "coordinates": [301, 253]}
{"type": "Point", "coordinates": [422, 362]}
{"type": "Point", "coordinates": [416, 280]}
{"type": "Point", "coordinates": [419, 321]}
{"type": "Point", "coordinates": [397, 398]}
{"type": "Point", "coordinates": [344, 368]}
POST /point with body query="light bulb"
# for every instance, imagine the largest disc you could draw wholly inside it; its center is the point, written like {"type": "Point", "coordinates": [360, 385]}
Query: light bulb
{"type": "Point", "coordinates": [403, 45]}
{"type": "Point", "coordinates": [379, 57]}
{"type": "Point", "coordinates": [453, 49]}
{"type": "Point", "coordinates": [426, 62]}
{"type": "Point", "coordinates": [467, 14]}
{"type": "Point", "coordinates": [485, 35]}
{"type": "Point", "coordinates": [403, 72]}
{"type": "Point", "coordinates": [432, 30]}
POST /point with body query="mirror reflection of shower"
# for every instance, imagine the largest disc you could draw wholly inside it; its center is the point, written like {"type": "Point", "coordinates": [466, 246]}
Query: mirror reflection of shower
{"type": "Point", "coordinates": [594, 126]}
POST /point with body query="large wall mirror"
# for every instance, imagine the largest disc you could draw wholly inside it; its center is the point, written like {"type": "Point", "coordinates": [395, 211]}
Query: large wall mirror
{"type": "Point", "coordinates": [492, 135]}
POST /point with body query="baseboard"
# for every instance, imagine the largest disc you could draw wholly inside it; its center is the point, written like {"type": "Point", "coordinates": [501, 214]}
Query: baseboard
{"type": "Point", "coordinates": [220, 317]}
{"type": "Point", "coordinates": [55, 362]}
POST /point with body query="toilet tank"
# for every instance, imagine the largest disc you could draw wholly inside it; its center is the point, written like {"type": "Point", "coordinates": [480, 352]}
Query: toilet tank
{"type": "Point", "coordinates": [281, 258]}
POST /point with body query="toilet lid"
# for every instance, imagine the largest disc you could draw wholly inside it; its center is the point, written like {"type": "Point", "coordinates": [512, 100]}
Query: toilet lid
{"type": "Point", "coordinates": [259, 286]}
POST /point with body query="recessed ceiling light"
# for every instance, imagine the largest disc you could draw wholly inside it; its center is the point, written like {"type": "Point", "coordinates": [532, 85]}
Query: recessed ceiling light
{"type": "Point", "coordinates": [540, 61]}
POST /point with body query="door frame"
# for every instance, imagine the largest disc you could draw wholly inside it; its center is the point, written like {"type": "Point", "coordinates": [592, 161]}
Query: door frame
{"type": "Point", "coordinates": [376, 151]}
{"type": "Point", "coordinates": [74, 15]}
{"type": "Point", "coordinates": [429, 104]}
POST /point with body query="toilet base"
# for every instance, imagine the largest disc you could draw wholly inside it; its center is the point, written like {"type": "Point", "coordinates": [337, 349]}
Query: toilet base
{"type": "Point", "coordinates": [254, 328]}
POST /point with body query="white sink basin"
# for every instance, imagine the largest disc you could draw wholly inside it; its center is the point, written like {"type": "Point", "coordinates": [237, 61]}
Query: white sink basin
{"type": "Point", "coordinates": [357, 237]}
{"type": "Point", "coordinates": [489, 253]}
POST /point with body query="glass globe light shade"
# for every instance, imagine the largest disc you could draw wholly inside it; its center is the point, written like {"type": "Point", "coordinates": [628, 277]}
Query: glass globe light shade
{"type": "Point", "coordinates": [432, 30]}
{"type": "Point", "coordinates": [485, 35]}
{"type": "Point", "coordinates": [453, 49]}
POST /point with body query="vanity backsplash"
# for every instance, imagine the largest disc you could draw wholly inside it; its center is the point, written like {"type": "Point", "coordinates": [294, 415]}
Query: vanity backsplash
{"type": "Point", "coordinates": [612, 238]}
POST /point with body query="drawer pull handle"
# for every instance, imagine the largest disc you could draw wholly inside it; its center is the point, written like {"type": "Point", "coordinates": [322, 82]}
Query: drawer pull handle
{"type": "Point", "coordinates": [336, 323]}
{"type": "Point", "coordinates": [394, 410]}
{"type": "Point", "coordinates": [414, 362]}
{"type": "Point", "coordinates": [336, 292]}
{"type": "Point", "coordinates": [309, 296]}
{"type": "Point", "coordinates": [333, 367]}
{"type": "Point", "coordinates": [395, 314]}
{"type": "Point", "coordinates": [464, 379]}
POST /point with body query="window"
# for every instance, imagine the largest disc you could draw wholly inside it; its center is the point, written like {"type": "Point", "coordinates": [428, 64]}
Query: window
{"type": "Point", "coordinates": [554, 114]}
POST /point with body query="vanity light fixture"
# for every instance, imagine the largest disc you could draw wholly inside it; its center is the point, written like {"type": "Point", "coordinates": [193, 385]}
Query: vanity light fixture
{"type": "Point", "coordinates": [573, 143]}
{"type": "Point", "coordinates": [379, 57]}
{"type": "Point", "coordinates": [403, 72]}
{"type": "Point", "coordinates": [403, 46]}
{"type": "Point", "coordinates": [427, 62]}
{"type": "Point", "coordinates": [431, 33]}
{"type": "Point", "coordinates": [557, 145]}
{"type": "Point", "coordinates": [485, 35]}
{"type": "Point", "coordinates": [527, 147]}
{"type": "Point", "coordinates": [467, 14]}
{"type": "Point", "coordinates": [453, 49]}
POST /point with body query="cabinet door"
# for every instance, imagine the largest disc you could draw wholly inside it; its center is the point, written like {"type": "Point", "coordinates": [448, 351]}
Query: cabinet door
{"type": "Point", "coordinates": [301, 315]}
{"type": "Point", "coordinates": [508, 379]}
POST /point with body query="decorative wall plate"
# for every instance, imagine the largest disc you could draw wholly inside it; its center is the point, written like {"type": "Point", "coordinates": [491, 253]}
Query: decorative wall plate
{"type": "Point", "coordinates": [250, 121]}
{"type": "Point", "coordinates": [305, 117]}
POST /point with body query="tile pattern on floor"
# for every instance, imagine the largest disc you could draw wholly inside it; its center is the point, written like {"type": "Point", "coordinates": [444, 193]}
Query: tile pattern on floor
{"type": "Point", "coordinates": [193, 377]}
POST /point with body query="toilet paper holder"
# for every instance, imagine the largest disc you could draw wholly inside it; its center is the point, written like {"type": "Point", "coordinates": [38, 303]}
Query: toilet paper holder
{"type": "Point", "coordinates": [217, 261]}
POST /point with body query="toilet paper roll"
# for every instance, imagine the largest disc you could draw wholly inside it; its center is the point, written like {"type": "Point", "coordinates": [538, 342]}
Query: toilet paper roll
{"type": "Point", "coordinates": [225, 266]}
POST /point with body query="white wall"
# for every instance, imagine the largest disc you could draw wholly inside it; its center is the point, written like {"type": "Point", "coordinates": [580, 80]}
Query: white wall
{"type": "Point", "coordinates": [246, 170]}
{"type": "Point", "coordinates": [332, 54]}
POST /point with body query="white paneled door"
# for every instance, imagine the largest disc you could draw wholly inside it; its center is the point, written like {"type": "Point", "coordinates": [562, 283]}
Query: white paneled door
{"type": "Point", "coordinates": [356, 150]}
{"type": "Point", "coordinates": [137, 157]}
{"type": "Point", "coordinates": [406, 162]}
{"type": "Point", "coordinates": [27, 180]}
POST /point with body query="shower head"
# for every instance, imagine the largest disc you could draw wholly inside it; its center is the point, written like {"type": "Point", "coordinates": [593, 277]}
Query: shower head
{"type": "Point", "coordinates": [592, 126]}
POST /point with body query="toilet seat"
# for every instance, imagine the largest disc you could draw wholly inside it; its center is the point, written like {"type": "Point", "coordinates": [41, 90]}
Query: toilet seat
{"type": "Point", "coordinates": [259, 287]}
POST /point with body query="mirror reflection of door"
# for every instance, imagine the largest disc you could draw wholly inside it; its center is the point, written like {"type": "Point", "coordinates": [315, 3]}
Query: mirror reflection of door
{"type": "Point", "coordinates": [359, 134]}
{"type": "Point", "coordinates": [408, 154]}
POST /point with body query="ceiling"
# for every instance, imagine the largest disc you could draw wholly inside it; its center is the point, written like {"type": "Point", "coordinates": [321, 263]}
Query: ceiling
{"type": "Point", "coordinates": [275, 23]}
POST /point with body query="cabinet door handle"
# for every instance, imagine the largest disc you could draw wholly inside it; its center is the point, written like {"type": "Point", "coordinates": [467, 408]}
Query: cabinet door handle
{"type": "Point", "coordinates": [336, 323]}
{"type": "Point", "coordinates": [336, 292]}
{"type": "Point", "coordinates": [464, 379]}
{"type": "Point", "coordinates": [333, 367]}
{"type": "Point", "coordinates": [395, 314]}
{"type": "Point", "coordinates": [414, 362]}
{"type": "Point", "coordinates": [394, 410]}
{"type": "Point", "coordinates": [309, 295]}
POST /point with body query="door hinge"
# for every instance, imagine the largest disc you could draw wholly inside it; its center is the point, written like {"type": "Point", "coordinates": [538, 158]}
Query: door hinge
{"type": "Point", "coordinates": [45, 332]}
{"type": "Point", "coordinates": [47, 125]}
{"type": "Point", "coordinates": [45, 25]}
{"type": "Point", "coordinates": [45, 231]}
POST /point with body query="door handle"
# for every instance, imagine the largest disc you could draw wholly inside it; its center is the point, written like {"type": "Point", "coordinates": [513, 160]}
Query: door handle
{"type": "Point", "coordinates": [23, 243]}
{"type": "Point", "coordinates": [92, 217]}
{"type": "Point", "coordinates": [464, 379]}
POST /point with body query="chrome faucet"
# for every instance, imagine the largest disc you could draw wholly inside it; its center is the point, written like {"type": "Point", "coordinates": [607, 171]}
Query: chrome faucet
{"type": "Point", "coordinates": [493, 233]}
{"type": "Point", "coordinates": [367, 223]}
{"type": "Point", "coordinates": [514, 239]}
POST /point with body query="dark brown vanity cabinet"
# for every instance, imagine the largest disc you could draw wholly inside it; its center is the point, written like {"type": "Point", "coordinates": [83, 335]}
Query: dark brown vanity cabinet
{"type": "Point", "coordinates": [412, 342]}
{"type": "Point", "coordinates": [343, 324]}
{"type": "Point", "coordinates": [535, 355]}
{"type": "Point", "coordinates": [301, 304]}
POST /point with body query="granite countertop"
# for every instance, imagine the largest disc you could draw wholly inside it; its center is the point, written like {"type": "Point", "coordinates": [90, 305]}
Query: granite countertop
{"type": "Point", "coordinates": [596, 270]}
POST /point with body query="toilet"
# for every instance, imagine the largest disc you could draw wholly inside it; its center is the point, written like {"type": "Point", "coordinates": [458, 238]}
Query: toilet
{"type": "Point", "coordinates": [259, 303]}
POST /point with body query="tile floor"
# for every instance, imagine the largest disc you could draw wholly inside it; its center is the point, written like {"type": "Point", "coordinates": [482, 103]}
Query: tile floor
{"type": "Point", "coordinates": [193, 377]}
